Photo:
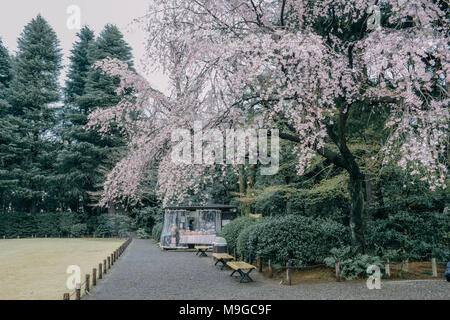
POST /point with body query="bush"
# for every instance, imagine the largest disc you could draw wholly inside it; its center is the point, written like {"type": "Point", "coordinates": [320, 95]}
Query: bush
{"type": "Point", "coordinates": [231, 231]}
{"type": "Point", "coordinates": [66, 221]}
{"type": "Point", "coordinates": [48, 224]}
{"type": "Point", "coordinates": [425, 232]}
{"type": "Point", "coordinates": [142, 234]}
{"type": "Point", "coordinates": [156, 231]}
{"type": "Point", "coordinates": [242, 246]}
{"type": "Point", "coordinates": [352, 266]}
{"type": "Point", "coordinates": [297, 239]}
{"type": "Point", "coordinates": [78, 230]}
{"type": "Point", "coordinates": [114, 225]}
{"type": "Point", "coordinates": [147, 217]}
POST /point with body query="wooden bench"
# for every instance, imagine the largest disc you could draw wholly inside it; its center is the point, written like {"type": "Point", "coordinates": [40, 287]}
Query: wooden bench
{"type": "Point", "coordinates": [202, 250]}
{"type": "Point", "coordinates": [222, 258]}
{"type": "Point", "coordinates": [241, 267]}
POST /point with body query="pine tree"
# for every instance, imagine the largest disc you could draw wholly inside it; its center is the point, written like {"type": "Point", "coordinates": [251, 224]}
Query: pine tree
{"type": "Point", "coordinates": [32, 92]}
{"type": "Point", "coordinates": [5, 70]}
{"type": "Point", "coordinates": [8, 131]}
{"type": "Point", "coordinates": [87, 155]}
{"type": "Point", "coordinates": [79, 66]}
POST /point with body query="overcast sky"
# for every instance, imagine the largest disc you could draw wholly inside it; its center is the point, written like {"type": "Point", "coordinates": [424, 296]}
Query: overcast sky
{"type": "Point", "coordinates": [15, 14]}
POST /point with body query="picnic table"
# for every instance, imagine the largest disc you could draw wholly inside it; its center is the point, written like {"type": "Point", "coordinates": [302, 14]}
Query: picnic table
{"type": "Point", "coordinates": [202, 250]}
{"type": "Point", "coordinates": [241, 267]}
{"type": "Point", "coordinates": [222, 258]}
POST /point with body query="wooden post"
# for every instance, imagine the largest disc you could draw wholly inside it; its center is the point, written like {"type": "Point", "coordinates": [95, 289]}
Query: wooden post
{"type": "Point", "coordinates": [270, 269]}
{"type": "Point", "coordinates": [434, 267]}
{"type": "Point", "coordinates": [388, 269]}
{"type": "Point", "coordinates": [338, 272]}
{"type": "Point", "coordinates": [259, 261]}
{"type": "Point", "coordinates": [112, 259]}
{"type": "Point", "coordinates": [66, 296]}
{"type": "Point", "coordinates": [288, 273]}
{"type": "Point", "coordinates": [88, 284]}
{"type": "Point", "coordinates": [104, 266]}
{"type": "Point", "coordinates": [406, 265]}
{"type": "Point", "coordinates": [78, 292]}
{"type": "Point", "coordinates": [100, 267]}
{"type": "Point", "coordinates": [94, 277]}
{"type": "Point", "coordinates": [109, 262]}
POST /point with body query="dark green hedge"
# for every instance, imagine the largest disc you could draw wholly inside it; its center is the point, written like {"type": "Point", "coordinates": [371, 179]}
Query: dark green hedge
{"type": "Point", "coordinates": [297, 239]}
{"type": "Point", "coordinates": [425, 233]}
{"type": "Point", "coordinates": [18, 224]}
{"type": "Point", "coordinates": [232, 230]}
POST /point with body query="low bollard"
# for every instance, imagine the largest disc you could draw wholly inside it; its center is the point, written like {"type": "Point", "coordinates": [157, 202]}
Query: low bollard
{"type": "Point", "coordinates": [338, 272]}
{"type": "Point", "coordinates": [88, 284]}
{"type": "Point", "coordinates": [78, 292]}
{"type": "Point", "coordinates": [94, 277]}
{"type": "Point", "coordinates": [434, 267]}
{"type": "Point", "coordinates": [288, 273]}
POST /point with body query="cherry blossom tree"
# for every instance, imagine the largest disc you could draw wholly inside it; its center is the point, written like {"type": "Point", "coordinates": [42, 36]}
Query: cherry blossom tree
{"type": "Point", "coordinates": [303, 66]}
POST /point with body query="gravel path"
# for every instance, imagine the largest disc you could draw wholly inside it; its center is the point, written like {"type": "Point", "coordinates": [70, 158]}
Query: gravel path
{"type": "Point", "coordinates": [147, 272]}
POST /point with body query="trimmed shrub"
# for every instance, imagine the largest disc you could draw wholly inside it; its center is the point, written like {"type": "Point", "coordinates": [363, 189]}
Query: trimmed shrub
{"type": "Point", "coordinates": [156, 231]}
{"type": "Point", "coordinates": [66, 221]}
{"type": "Point", "coordinates": [48, 224]}
{"type": "Point", "coordinates": [242, 245]}
{"type": "Point", "coordinates": [297, 239]}
{"type": "Point", "coordinates": [16, 224]}
{"type": "Point", "coordinates": [425, 232]}
{"type": "Point", "coordinates": [79, 230]}
{"type": "Point", "coordinates": [231, 231]}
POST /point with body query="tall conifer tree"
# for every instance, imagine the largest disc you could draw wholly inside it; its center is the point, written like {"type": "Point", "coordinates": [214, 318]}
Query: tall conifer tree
{"type": "Point", "coordinates": [33, 93]}
{"type": "Point", "coordinates": [88, 155]}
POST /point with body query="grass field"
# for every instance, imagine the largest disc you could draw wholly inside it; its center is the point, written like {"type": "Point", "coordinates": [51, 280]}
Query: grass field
{"type": "Point", "coordinates": [36, 268]}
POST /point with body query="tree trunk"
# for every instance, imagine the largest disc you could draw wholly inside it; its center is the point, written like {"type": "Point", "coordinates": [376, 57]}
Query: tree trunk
{"type": "Point", "coordinates": [357, 218]}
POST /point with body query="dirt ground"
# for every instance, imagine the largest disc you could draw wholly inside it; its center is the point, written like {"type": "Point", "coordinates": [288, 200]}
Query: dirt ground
{"type": "Point", "coordinates": [36, 268]}
{"type": "Point", "coordinates": [416, 271]}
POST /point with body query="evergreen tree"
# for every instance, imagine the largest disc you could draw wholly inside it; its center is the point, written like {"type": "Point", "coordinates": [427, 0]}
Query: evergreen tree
{"type": "Point", "coordinates": [32, 92]}
{"type": "Point", "coordinates": [8, 131]}
{"type": "Point", "coordinates": [5, 70]}
{"type": "Point", "coordinates": [79, 66]}
{"type": "Point", "coordinates": [88, 156]}
{"type": "Point", "coordinates": [74, 164]}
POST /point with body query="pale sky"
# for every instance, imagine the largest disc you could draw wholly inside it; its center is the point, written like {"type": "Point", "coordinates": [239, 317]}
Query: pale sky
{"type": "Point", "coordinates": [15, 14]}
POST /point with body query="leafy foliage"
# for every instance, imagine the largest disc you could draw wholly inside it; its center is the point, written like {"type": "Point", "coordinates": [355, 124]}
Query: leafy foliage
{"type": "Point", "coordinates": [242, 244]}
{"type": "Point", "coordinates": [156, 231]}
{"type": "Point", "coordinates": [232, 230]}
{"type": "Point", "coordinates": [352, 265]}
{"type": "Point", "coordinates": [296, 239]}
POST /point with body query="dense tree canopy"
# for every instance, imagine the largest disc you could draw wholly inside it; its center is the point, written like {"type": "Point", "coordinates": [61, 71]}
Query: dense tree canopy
{"type": "Point", "coordinates": [309, 68]}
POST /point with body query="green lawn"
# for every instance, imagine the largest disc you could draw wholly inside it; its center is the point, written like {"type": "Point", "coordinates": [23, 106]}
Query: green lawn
{"type": "Point", "coordinates": [36, 268]}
